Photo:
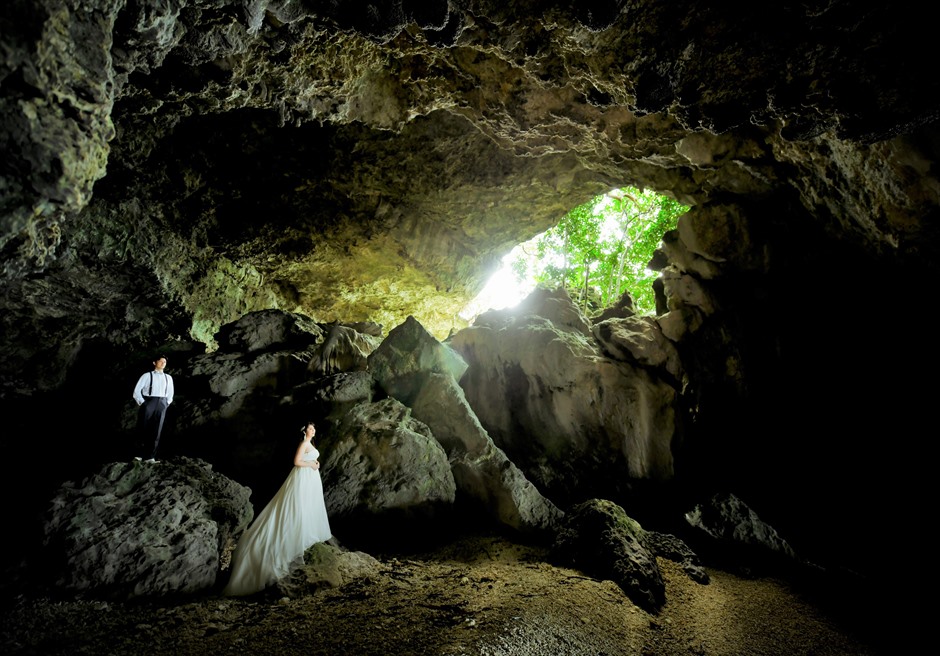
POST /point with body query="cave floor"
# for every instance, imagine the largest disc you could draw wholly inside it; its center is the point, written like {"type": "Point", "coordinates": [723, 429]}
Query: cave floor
{"type": "Point", "coordinates": [479, 595]}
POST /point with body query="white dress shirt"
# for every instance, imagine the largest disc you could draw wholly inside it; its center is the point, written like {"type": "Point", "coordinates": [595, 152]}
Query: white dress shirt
{"type": "Point", "coordinates": [162, 386]}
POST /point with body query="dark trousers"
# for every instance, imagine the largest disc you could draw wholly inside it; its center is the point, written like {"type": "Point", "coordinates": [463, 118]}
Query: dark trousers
{"type": "Point", "coordinates": [150, 418]}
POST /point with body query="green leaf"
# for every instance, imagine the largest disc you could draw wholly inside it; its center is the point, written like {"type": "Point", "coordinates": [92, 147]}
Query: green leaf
{"type": "Point", "coordinates": [601, 249]}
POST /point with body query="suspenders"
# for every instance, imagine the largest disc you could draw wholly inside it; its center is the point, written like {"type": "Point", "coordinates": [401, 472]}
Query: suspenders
{"type": "Point", "coordinates": [166, 386]}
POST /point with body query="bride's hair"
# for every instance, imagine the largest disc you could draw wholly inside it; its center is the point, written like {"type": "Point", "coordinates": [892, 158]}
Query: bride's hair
{"type": "Point", "coordinates": [304, 429]}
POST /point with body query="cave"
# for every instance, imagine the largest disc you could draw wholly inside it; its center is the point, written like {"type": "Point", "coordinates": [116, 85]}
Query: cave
{"type": "Point", "coordinates": [171, 168]}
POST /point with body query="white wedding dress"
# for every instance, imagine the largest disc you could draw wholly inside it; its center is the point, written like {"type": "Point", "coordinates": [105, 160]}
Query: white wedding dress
{"type": "Point", "coordinates": [292, 521]}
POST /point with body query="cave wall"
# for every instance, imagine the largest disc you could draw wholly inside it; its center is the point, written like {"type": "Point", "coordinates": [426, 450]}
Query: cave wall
{"type": "Point", "coordinates": [171, 166]}
{"type": "Point", "coordinates": [370, 161]}
{"type": "Point", "coordinates": [807, 395]}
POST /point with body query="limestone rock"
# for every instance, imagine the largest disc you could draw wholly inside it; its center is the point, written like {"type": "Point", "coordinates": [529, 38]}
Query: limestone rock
{"type": "Point", "coordinates": [720, 234]}
{"type": "Point", "coordinates": [269, 330]}
{"type": "Point", "coordinates": [263, 354]}
{"type": "Point", "coordinates": [242, 405]}
{"type": "Point", "coordinates": [678, 323]}
{"type": "Point", "coordinates": [331, 397]}
{"type": "Point", "coordinates": [641, 341]}
{"type": "Point", "coordinates": [572, 419]}
{"type": "Point", "coordinates": [383, 467]}
{"type": "Point", "coordinates": [673, 548]}
{"type": "Point", "coordinates": [553, 305]}
{"type": "Point", "coordinates": [272, 354]}
{"type": "Point", "coordinates": [621, 308]}
{"type": "Point", "coordinates": [408, 350]}
{"type": "Point", "coordinates": [683, 290]}
{"type": "Point", "coordinates": [344, 349]}
{"type": "Point", "coordinates": [413, 367]}
{"type": "Point", "coordinates": [738, 531]}
{"type": "Point", "coordinates": [346, 387]}
{"type": "Point", "coordinates": [229, 381]}
{"type": "Point", "coordinates": [326, 565]}
{"type": "Point", "coordinates": [143, 529]}
{"type": "Point", "coordinates": [599, 538]}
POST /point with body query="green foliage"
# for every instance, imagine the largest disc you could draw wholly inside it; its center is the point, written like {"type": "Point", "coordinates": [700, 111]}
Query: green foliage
{"type": "Point", "coordinates": [601, 249]}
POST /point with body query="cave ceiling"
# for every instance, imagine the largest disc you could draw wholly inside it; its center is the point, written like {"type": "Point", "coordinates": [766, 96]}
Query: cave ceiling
{"type": "Point", "coordinates": [172, 165]}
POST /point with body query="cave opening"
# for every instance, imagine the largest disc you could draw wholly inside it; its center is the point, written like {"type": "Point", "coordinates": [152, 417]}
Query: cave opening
{"type": "Point", "coordinates": [597, 251]}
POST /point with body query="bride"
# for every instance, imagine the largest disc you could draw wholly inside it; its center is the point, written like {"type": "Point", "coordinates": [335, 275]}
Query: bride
{"type": "Point", "coordinates": [292, 521]}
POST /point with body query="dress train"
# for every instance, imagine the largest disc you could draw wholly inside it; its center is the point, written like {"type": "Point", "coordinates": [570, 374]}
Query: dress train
{"type": "Point", "coordinates": [294, 519]}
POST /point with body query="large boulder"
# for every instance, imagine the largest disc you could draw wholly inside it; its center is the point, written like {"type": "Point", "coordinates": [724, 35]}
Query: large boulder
{"type": "Point", "coordinates": [331, 397]}
{"type": "Point", "coordinates": [599, 538]}
{"type": "Point", "coordinates": [407, 355]}
{"type": "Point", "coordinates": [143, 529]}
{"type": "Point", "coordinates": [326, 565]}
{"type": "Point", "coordinates": [344, 349]}
{"type": "Point", "coordinates": [639, 341]}
{"type": "Point", "coordinates": [383, 468]}
{"type": "Point", "coordinates": [414, 367]}
{"type": "Point", "coordinates": [577, 422]}
{"type": "Point", "coordinates": [269, 329]}
{"type": "Point", "coordinates": [730, 531]}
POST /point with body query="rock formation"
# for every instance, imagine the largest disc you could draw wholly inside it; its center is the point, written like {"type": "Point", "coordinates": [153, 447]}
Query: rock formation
{"type": "Point", "coordinates": [422, 373]}
{"type": "Point", "coordinates": [325, 566]}
{"type": "Point", "coordinates": [737, 533]}
{"type": "Point", "coordinates": [600, 539]}
{"type": "Point", "coordinates": [142, 530]}
{"type": "Point", "coordinates": [172, 167]}
{"type": "Point", "coordinates": [386, 472]}
{"type": "Point", "coordinates": [546, 393]}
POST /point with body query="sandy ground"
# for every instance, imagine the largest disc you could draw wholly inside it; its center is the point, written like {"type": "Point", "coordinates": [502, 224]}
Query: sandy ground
{"type": "Point", "coordinates": [483, 596]}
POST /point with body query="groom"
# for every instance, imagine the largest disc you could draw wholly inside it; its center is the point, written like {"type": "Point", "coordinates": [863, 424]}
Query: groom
{"type": "Point", "coordinates": [153, 393]}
